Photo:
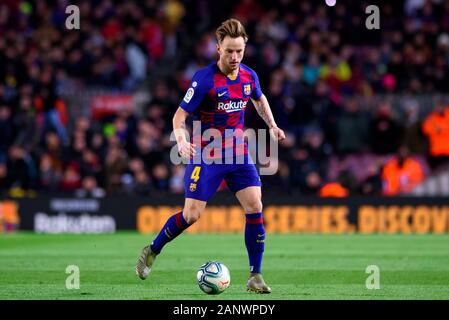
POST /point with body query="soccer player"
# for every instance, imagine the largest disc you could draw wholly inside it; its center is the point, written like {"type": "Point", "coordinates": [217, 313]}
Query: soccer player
{"type": "Point", "coordinates": [218, 96]}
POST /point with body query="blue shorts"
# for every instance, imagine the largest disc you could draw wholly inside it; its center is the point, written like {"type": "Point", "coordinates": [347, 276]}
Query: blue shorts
{"type": "Point", "coordinates": [202, 181]}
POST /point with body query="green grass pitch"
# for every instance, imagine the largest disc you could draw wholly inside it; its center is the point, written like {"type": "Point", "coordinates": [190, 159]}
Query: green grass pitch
{"type": "Point", "coordinates": [295, 266]}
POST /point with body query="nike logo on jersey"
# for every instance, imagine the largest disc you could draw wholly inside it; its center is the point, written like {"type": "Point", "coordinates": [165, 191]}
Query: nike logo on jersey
{"type": "Point", "coordinates": [222, 94]}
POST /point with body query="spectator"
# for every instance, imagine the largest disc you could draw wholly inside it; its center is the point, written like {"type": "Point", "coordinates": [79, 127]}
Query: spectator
{"type": "Point", "coordinates": [21, 169]}
{"type": "Point", "coordinates": [4, 184]}
{"type": "Point", "coordinates": [142, 186]}
{"type": "Point", "coordinates": [343, 186]}
{"type": "Point", "coordinates": [46, 101]}
{"type": "Point", "coordinates": [333, 189]}
{"type": "Point", "coordinates": [436, 128]}
{"type": "Point", "coordinates": [312, 183]}
{"type": "Point", "coordinates": [90, 164]}
{"type": "Point", "coordinates": [385, 132]}
{"type": "Point", "coordinates": [318, 152]}
{"type": "Point", "coordinates": [177, 179]}
{"type": "Point", "coordinates": [6, 130]}
{"type": "Point", "coordinates": [98, 145]}
{"type": "Point", "coordinates": [121, 130]}
{"type": "Point", "coordinates": [173, 11]}
{"type": "Point", "coordinates": [50, 171]}
{"type": "Point", "coordinates": [137, 64]}
{"type": "Point", "coordinates": [160, 177]}
{"type": "Point", "coordinates": [304, 172]}
{"type": "Point", "coordinates": [414, 138]}
{"type": "Point", "coordinates": [372, 184]}
{"type": "Point", "coordinates": [89, 188]}
{"type": "Point", "coordinates": [401, 173]}
{"type": "Point", "coordinates": [129, 178]}
{"type": "Point", "coordinates": [352, 129]}
{"type": "Point", "coordinates": [71, 179]}
{"type": "Point", "coordinates": [52, 146]}
{"type": "Point", "coordinates": [114, 167]}
{"type": "Point", "coordinates": [153, 38]}
{"type": "Point", "coordinates": [25, 120]}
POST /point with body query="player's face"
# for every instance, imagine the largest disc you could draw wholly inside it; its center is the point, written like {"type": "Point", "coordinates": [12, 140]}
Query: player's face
{"type": "Point", "coordinates": [231, 52]}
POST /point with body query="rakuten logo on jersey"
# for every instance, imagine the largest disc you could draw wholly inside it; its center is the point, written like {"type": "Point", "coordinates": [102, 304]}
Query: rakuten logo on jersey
{"type": "Point", "coordinates": [232, 106]}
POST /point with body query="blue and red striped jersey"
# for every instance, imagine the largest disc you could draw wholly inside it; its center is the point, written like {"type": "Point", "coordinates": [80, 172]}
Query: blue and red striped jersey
{"type": "Point", "coordinates": [220, 103]}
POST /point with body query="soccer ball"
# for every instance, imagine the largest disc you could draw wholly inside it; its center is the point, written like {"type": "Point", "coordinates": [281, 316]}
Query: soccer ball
{"type": "Point", "coordinates": [213, 277]}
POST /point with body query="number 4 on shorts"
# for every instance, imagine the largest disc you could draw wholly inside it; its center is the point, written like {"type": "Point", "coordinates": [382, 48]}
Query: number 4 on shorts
{"type": "Point", "coordinates": [196, 173]}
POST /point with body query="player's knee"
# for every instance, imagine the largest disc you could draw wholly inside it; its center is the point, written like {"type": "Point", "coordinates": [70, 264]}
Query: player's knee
{"type": "Point", "coordinates": [192, 217]}
{"type": "Point", "coordinates": [191, 214]}
{"type": "Point", "coordinates": [254, 206]}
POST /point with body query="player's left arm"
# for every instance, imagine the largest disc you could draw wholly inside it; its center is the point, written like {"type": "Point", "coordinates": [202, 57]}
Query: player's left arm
{"type": "Point", "coordinates": [263, 109]}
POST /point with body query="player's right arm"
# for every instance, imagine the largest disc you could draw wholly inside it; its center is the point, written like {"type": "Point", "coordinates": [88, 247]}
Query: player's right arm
{"type": "Point", "coordinates": [199, 86]}
{"type": "Point", "coordinates": [185, 148]}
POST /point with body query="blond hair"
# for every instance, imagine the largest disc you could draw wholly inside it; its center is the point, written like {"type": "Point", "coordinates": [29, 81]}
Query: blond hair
{"type": "Point", "coordinates": [232, 28]}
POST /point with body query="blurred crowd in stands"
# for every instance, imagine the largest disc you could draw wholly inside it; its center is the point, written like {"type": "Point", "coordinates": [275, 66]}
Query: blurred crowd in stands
{"type": "Point", "coordinates": [313, 61]}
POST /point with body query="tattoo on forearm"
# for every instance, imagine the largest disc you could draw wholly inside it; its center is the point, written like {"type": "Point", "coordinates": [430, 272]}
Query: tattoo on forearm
{"type": "Point", "coordinates": [264, 112]}
{"type": "Point", "coordinates": [180, 130]}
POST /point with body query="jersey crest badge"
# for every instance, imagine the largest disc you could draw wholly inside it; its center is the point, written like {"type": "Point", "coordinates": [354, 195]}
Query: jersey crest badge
{"type": "Point", "coordinates": [247, 89]}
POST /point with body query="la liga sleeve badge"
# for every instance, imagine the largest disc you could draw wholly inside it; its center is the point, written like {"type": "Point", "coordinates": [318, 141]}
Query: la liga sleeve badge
{"type": "Point", "coordinates": [189, 95]}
